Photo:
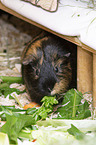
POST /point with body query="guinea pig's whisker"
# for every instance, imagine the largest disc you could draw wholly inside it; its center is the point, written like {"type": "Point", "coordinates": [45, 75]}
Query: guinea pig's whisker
{"type": "Point", "coordinates": [62, 94]}
{"type": "Point", "coordinates": [49, 89]}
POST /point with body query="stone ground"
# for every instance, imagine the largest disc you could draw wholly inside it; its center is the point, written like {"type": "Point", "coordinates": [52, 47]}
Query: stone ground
{"type": "Point", "coordinates": [14, 34]}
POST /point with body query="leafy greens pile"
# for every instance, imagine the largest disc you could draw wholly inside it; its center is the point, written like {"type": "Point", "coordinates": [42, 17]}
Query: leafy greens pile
{"type": "Point", "coordinates": [17, 120]}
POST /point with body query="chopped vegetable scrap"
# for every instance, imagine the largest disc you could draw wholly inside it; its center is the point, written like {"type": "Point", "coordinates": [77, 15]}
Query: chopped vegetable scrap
{"type": "Point", "coordinates": [31, 105]}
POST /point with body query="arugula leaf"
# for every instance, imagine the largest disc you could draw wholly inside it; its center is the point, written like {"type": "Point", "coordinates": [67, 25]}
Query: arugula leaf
{"type": "Point", "coordinates": [76, 132]}
{"type": "Point", "coordinates": [44, 110]}
{"type": "Point", "coordinates": [72, 108]}
{"type": "Point", "coordinates": [49, 101]}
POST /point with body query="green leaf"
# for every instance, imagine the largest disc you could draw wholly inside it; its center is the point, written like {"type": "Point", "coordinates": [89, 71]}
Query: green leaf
{"type": "Point", "coordinates": [44, 110]}
{"type": "Point", "coordinates": [6, 90]}
{"type": "Point", "coordinates": [76, 132]}
{"type": "Point", "coordinates": [31, 111]}
{"type": "Point", "coordinates": [16, 121]}
{"type": "Point", "coordinates": [8, 110]}
{"type": "Point", "coordinates": [5, 85]}
{"type": "Point", "coordinates": [72, 108]}
{"type": "Point", "coordinates": [49, 101]}
{"type": "Point", "coordinates": [10, 79]}
{"type": "Point", "coordinates": [14, 124]}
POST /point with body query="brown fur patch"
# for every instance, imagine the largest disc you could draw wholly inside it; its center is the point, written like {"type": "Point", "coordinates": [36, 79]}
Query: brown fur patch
{"type": "Point", "coordinates": [31, 52]}
{"type": "Point", "coordinates": [60, 87]}
{"type": "Point", "coordinates": [64, 76]}
{"type": "Point", "coordinates": [41, 60]}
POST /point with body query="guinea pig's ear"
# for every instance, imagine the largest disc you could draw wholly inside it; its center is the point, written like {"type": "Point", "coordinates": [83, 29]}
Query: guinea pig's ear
{"type": "Point", "coordinates": [27, 60]}
{"type": "Point", "coordinates": [67, 54]}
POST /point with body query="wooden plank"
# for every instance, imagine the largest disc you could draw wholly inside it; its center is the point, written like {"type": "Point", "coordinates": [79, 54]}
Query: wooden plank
{"type": "Point", "coordinates": [72, 39]}
{"type": "Point", "coordinates": [94, 80]}
{"type": "Point", "coordinates": [84, 70]}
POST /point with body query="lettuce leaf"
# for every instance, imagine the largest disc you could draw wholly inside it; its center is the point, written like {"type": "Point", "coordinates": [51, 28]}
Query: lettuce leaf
{"type": "Point", "coordinates": [65, 132]}
{"type": "Point", "coordinates": [65, 124]}
{"type": "Point", "coordinates": [55, 135]}
{"type": "Point", "coordinates": [4, 139]}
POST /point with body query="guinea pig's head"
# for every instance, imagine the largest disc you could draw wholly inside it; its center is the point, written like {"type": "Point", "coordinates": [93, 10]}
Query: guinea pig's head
{"type": "Point", "coordinates": [46, 67]}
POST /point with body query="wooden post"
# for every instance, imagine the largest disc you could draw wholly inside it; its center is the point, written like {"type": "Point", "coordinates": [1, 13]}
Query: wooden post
{"type": "Point", "coordinates": [94, 80]}
{"type": "Point", "coordinates": [84, 70]}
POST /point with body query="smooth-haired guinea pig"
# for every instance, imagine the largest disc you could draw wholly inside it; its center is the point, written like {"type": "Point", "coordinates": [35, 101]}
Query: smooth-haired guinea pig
{"type": "Point", "coordinates": [46, 66]}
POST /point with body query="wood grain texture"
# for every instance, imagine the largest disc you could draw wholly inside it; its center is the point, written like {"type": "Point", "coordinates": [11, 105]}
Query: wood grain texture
{"type": "Point", "coordinates": [84, 70]}
{"type": "Point", "coordinates": [94, 80]}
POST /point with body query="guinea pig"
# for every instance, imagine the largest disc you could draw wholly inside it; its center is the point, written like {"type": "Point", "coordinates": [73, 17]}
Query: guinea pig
{"type": "Point", "coordinates": [46, 66]}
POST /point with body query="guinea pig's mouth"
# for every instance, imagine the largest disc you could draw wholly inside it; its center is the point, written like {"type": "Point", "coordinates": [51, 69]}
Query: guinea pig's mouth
{"type": "Point", "coordinates": [53, 92]}
{"type": "Point", "coordinates": [59, 96]}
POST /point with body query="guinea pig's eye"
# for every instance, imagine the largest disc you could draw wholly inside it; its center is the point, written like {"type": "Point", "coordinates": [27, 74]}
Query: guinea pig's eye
{"type": "Point", "coordinates": [56, 69]}
{"type": "Point", "coordinates": [37, 72]}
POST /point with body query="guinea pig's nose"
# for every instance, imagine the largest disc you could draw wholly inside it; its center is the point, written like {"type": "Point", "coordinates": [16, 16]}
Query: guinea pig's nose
{"type": "Point", "coordinates": [48, 85]}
